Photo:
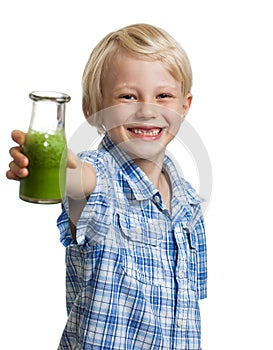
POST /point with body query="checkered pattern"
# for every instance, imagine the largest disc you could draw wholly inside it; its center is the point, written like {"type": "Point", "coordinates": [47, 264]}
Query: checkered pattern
{"type": "Point", "coordinates": [136, 274]}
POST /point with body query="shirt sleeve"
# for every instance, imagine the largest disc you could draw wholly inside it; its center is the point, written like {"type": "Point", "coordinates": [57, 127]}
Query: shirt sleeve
{"type": "Point", "coordinates": [199, 228]}
{"type": "Point", "coordinates": [63, 225]}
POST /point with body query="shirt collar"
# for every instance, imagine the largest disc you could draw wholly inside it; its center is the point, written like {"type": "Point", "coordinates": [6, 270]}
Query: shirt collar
{"type": "Point", "coordinates": [141, 185]}
{"type": "Point", "coordinates": [181, 189]}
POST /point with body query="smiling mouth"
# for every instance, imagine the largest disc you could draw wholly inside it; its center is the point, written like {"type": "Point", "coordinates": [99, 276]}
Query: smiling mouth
{"type": "Point", "coordinates": [148, 132]}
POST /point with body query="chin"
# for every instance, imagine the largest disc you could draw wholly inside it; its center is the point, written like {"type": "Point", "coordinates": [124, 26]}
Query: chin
{"type": "Point", "coordinates": [143, 150]}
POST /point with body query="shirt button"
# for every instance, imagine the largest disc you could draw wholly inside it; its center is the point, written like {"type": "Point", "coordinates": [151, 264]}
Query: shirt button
{"type": "Point", "coordinates": [179, 323]}
{"type": "Point", "coordinates": [180, 274]}
{"type": "Point", "coordinates": [138, 229]}
{"type": "Point", "coordinates": [157, 199]}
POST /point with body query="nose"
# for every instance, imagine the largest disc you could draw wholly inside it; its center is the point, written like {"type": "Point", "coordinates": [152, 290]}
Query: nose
{"type": "Point", "coordinates": [146, 110]}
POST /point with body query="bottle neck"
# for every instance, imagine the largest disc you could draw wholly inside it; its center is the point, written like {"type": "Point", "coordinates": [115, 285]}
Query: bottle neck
{"type": "Point", "coordinates": [47, 116]}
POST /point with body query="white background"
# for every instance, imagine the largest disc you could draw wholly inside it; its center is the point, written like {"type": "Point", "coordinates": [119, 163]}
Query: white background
{"type": "Point", "coordinates": [45, 45]}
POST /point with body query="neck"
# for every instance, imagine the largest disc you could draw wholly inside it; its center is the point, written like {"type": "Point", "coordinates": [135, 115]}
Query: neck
{"type": "Point", "coordinates": [153, 169]}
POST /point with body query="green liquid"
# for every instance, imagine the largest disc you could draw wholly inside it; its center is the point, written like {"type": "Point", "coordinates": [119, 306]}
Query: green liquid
{"type": "Point", "coordinates": [47, 156]}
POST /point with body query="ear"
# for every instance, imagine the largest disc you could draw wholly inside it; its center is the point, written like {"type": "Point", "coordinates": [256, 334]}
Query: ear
{"type": "Point", "coordinates": [186, 104]}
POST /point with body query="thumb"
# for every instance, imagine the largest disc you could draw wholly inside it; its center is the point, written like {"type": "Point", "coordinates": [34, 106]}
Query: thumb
{"type": "Point", "coordinates": [72, 159]}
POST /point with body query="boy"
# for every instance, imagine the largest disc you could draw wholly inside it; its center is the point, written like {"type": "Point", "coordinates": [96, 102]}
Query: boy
{"type": "Point", "coordinates": [132, 227]}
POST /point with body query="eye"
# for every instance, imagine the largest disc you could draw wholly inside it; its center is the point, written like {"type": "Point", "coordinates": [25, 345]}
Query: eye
{"type": "Point", "coordinates": [128, 97]}
{"type": "Point", "coordinates": [163, 95]}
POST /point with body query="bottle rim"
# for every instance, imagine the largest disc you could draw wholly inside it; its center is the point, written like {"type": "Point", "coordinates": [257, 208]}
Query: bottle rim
{"type": "Point", "coordinates": [53, 96]}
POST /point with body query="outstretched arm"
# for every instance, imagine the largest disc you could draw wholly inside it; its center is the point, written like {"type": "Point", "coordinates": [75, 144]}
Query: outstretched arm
{"type": "Point", "coordinates": [81, 181]}
{"type": "Point", "coordinates": [81, 176]}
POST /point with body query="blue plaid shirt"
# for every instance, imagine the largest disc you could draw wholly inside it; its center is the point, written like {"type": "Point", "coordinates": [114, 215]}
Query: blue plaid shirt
{"type": "Point", "coordinates": [136, 274]}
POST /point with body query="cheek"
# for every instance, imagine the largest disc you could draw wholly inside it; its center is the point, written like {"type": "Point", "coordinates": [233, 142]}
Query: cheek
{"type": "Point", "coordinates": [174, 121]}
{"type": "Point", "coordinates": [116, 116]}
{"type": "Point", "coordinates": [116, 135]}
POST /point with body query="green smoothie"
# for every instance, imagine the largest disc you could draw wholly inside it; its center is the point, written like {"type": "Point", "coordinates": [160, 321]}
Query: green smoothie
{"type": "Point", "coordinates": [47, 156]}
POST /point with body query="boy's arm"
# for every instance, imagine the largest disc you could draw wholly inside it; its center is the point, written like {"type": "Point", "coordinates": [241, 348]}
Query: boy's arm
{"type": "Point", "coordinates": [80, 183]}
{"type": "Point", "coordinates": [75, 210]}
{"type": "Point", "coordinates": [80, 179]}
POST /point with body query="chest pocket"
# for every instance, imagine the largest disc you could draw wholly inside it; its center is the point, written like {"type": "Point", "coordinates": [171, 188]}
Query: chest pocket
{"type": "Point", "coordinates": [136, 228]}
{"type": "Point", "coordinates": [140, 238]}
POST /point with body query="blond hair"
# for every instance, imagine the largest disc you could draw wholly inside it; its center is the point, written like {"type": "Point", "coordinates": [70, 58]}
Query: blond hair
{"type": "Point", "coordinates": [143, 41]}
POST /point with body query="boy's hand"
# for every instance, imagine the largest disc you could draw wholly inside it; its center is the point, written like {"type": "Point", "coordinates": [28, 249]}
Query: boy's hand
{"type": "Point", "coordinates": [18, 166]}
{"type": "Point", "coordinates": [72, 160]}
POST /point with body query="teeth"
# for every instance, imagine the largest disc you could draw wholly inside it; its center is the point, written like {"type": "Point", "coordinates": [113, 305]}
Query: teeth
{"type": "Point", "coordinates": [152, 132]}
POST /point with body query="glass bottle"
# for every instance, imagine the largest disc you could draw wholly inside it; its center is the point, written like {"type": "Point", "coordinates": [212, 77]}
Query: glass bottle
{"type": "Point", "coordinates": [46, 149]}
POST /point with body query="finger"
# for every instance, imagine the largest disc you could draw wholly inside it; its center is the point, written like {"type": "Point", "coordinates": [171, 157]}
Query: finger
{"type": "Point", "coordinates": [18, 136]}
{"type": "Point", "coordinates": [17, 170]}
{"type": "Point", "coordinates": [11, 176]}
{"type": "Point", "coordinates": [19, 158]}
{"type": "Point", "coordinates": [72, 160]}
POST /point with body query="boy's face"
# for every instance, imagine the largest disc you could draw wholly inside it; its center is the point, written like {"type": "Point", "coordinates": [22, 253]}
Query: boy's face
{"type": "Point", "coordinates": [147, 106]}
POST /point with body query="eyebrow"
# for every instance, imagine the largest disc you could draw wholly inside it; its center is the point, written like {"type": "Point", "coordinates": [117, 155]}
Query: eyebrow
{"type": "Point", "coordinates": [135, 87]}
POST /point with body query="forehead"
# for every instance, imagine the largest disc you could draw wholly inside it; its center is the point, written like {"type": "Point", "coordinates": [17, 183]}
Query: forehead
{"type": "Point", "coordinates": [125, 68]}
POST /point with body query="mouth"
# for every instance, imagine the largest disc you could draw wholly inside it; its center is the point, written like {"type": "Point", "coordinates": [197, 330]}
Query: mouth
{"type": "Point", "coordinates": [146, 133]}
